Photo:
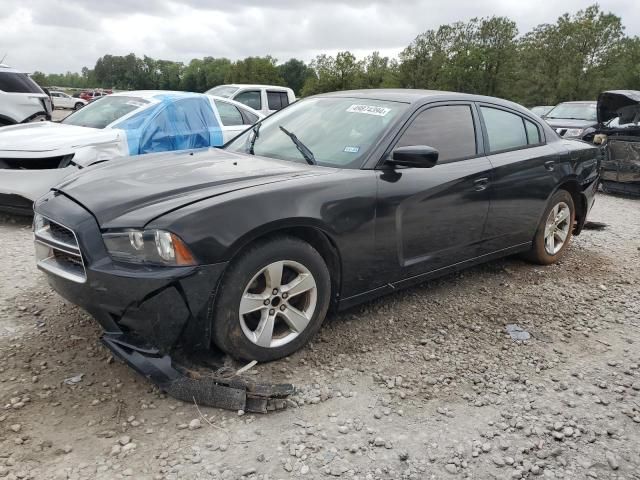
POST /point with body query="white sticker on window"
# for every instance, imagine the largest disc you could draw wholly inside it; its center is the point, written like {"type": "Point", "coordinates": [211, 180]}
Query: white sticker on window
{"type": "Point", "coordinates": [369, 110]}
{"type": "Point", "coordinates": [352, 149]}
{"type": "Point", "coordinates": [133, 103]}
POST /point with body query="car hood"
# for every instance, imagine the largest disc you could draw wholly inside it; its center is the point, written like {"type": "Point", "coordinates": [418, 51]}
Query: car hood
{"type": "Point", "coordinates": [610, 103]}
{"type": "Point", "coordinates": [569, 123]}
{"type": "Point", "coordinates": [49, 136]}
{"type": "Point", "coordinates": [130, 193]}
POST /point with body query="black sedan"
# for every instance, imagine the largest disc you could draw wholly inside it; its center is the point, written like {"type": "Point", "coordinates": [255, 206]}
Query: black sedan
{"type": "Point", "coordinates": [335, 200]}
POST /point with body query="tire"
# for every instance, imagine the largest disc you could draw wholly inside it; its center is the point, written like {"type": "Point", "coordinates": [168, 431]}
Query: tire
{"type": "Point", "coordinates": [549, 247]}
{"type": "Point", "coordinates": [78, 106]}
{"type": "Point", "coordinates": [252, 280]}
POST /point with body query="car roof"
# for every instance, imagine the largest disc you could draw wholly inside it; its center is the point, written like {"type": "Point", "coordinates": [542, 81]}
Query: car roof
{"type": "Point", "coordinates": [150, 94]}
{"type": "Point", "coordinates": [411, 96]}
{"type": "Point", "coordinates": [251, 85]}
{"type": "Point", "coordinates": [579, 102]}
{"type": "Point", "coordinates": [8, 69]}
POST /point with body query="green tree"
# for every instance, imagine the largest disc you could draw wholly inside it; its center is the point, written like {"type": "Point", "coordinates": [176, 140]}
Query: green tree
{"type": "Point", "coordinates": [294, 72]}
{"type": "Point", "coordinates": [254, 70]}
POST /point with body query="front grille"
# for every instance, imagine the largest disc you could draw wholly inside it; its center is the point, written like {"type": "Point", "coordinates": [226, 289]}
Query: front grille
{"type": "Point", "coordinates": [57, 250]}
{"type": "Point", "coordinates": [47, 163]}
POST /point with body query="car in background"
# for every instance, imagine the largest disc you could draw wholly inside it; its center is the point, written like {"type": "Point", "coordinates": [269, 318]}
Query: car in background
{"type": "Point", "coordinates": [618, 131]}
{"type": "Point", "coordinates": [571, 119]}
{"type": "Point", "coordinates": [93, 95]}
{"type": "Point", "coordinates": [62, 100]}
{"type": "Point", "coordinates": [263, 98]}
{"type": "Point", "coordinates": [335, 200]}
{"type": "Point", "coordinates": [21, 99]}
{"type": "Point", "coordinates": [542, 110]}
{"type": "Point", "coordinates": [35, 157]}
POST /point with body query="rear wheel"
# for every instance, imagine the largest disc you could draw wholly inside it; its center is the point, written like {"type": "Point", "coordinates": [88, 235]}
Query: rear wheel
{"type": "Point", "coordinates": [555, 230]}
{"type": "Point", "coordinates": [272, 300]}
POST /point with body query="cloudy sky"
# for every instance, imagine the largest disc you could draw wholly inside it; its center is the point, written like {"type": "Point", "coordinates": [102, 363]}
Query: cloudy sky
{"type": "Point", "coordinates": [59, 35]}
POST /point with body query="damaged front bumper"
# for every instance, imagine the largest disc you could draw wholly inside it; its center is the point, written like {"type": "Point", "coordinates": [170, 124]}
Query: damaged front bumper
{"type": "Point", "coordinates": [193, 385]}
{"type": "Point", "coordinates": [146, 312]}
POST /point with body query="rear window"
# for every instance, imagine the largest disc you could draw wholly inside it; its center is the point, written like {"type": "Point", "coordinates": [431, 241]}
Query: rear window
{"type": "Point", "coordinates": [13, 82]}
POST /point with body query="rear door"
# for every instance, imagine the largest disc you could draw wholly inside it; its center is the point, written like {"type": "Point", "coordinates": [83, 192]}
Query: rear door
{"type": "Point", "coordinates": [430, 218]}
{"type": "Point", "coordinates": [523, 176]}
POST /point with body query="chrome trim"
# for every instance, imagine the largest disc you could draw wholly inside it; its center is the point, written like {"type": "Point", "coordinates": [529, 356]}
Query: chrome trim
{"type": "Point", "coordinates": [50, 264]}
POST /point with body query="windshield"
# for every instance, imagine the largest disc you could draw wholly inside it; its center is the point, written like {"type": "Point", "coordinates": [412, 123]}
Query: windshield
{"type": "Point", "coordinates": [337, 131]}
{"type": "Point", "coordinates": [106, 110]}
{"type": "Point", "coordinates": [574, 111]}
{"type": "Point", "coordinates": [222, 91]}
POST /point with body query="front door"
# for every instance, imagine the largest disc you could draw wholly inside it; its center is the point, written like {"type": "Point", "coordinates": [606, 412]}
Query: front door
{"type": "Point", "coordinates": [431, 218]}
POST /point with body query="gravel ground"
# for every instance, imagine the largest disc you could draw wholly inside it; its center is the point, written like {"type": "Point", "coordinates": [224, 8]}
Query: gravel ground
{"type": "Point", "coordinates": [422, 384]}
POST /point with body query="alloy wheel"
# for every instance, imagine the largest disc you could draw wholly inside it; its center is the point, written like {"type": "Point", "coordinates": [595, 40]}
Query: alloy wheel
{"type": "Point", "coordinates": [557, 227]}
{"type": "Point", "coordinates": [278, 304]}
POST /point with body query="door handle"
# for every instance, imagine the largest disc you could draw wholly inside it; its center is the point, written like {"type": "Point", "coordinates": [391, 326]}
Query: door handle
{"type": "Point", "coordinates": [481, 184]}
{"type": "Point", "coordinates": [550, 165]}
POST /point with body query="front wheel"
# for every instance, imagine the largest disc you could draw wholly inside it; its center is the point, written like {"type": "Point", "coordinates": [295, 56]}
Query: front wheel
{"type": "Point", "coordinates": [555, 230]}
{"type": "Point", "coordinates": [272, 300]}
{"type": "Point", "coordinates": [78, 106]}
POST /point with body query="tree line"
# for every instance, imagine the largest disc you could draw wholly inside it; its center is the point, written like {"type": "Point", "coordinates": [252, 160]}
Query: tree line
{"type": "Point", "coordinates": [575, 58]}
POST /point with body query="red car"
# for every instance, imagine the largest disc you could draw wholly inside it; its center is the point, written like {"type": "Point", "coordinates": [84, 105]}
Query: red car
{"type": "Point", "coordinates": [89, 96]}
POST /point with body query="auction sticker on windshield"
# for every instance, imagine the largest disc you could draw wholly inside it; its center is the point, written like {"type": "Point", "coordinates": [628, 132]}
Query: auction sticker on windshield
{"type": "Point", "coordinates": [369, 110]}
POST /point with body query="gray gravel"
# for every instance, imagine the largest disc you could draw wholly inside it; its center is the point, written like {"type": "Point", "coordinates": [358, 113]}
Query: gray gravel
{"type": "Point", "coordinates": [424, 384]}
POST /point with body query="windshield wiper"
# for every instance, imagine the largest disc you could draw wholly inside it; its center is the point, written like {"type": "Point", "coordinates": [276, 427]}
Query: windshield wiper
{"type": "Point", "coordinates": [302, 148]}
{"type": "Point", "coordinates": [256, 134]}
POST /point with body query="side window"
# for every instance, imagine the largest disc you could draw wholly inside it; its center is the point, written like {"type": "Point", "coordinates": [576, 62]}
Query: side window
{"type": "Point", "coordinates": [533, 134]}
{"type": "Point", "coordinates": [277, 100]}
{"type": "Point", "coordinates": [251, 98]}
{"type": "Point", "coordinates": [249, 118]}
{"type": "Point", "coordinates": [284, 99]}
{"type": "Point", "coordinates": [505, 130]}
{"type": "Point", "coordinates": [229, 114]}
{"type": "Point", "coordinates": [12, 82]}
{"type": "Point", "coordinates": [273, 99]}
{"type": "Point", "coordinates": [449, 129]}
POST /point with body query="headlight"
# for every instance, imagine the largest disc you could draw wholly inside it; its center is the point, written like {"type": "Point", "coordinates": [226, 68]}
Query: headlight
{"type": "Point", "coordinates": [148, 246]}
{"type": "Point", "coordinates": [573, 132]}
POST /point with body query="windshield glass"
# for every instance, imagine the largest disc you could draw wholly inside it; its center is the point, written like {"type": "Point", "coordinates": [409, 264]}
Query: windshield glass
{"type": "Point", "coordinates": [222, 91]}
{"type": "Point", "coordinates": [574, 111]}
{"type": "Point", "coordinates": [106, 110]}
{"type": "Point", "coordinates": [337, 131]}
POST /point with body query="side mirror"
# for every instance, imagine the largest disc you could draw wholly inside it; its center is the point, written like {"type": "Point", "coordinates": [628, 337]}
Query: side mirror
{"type": "Point", "coordinates": [416, 156]}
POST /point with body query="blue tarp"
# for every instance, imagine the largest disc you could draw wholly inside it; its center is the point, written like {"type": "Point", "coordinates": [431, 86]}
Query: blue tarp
{"type": "Point", "coordinates": [180, 121]}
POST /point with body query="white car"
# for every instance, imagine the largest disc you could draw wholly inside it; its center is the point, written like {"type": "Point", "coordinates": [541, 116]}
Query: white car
{"type": "Point", "coordinates": [62, 100]}
{"type": "Point", "coordinates": [37, 156]}
{"type": "Point", "coordinates": [21, 99]}
{"type": "Point", "coordinates": [263, 98]}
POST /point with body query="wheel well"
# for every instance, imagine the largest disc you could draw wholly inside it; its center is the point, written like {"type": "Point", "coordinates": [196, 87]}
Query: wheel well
{"type": "Point", "coordinates": [318, 240]}
{"type": "Point", "coordinates": [579, 201]}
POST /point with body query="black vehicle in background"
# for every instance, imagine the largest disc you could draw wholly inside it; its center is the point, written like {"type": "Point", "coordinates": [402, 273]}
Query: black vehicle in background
{"type": "Point", "coordinates": [571, 119]}
{"type": "Point", "coordinates": [330, 202]}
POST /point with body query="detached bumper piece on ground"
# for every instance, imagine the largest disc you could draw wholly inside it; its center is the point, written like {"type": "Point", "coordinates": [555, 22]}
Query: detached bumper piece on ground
{"type": "Point", "coordinates": [189, 385]}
